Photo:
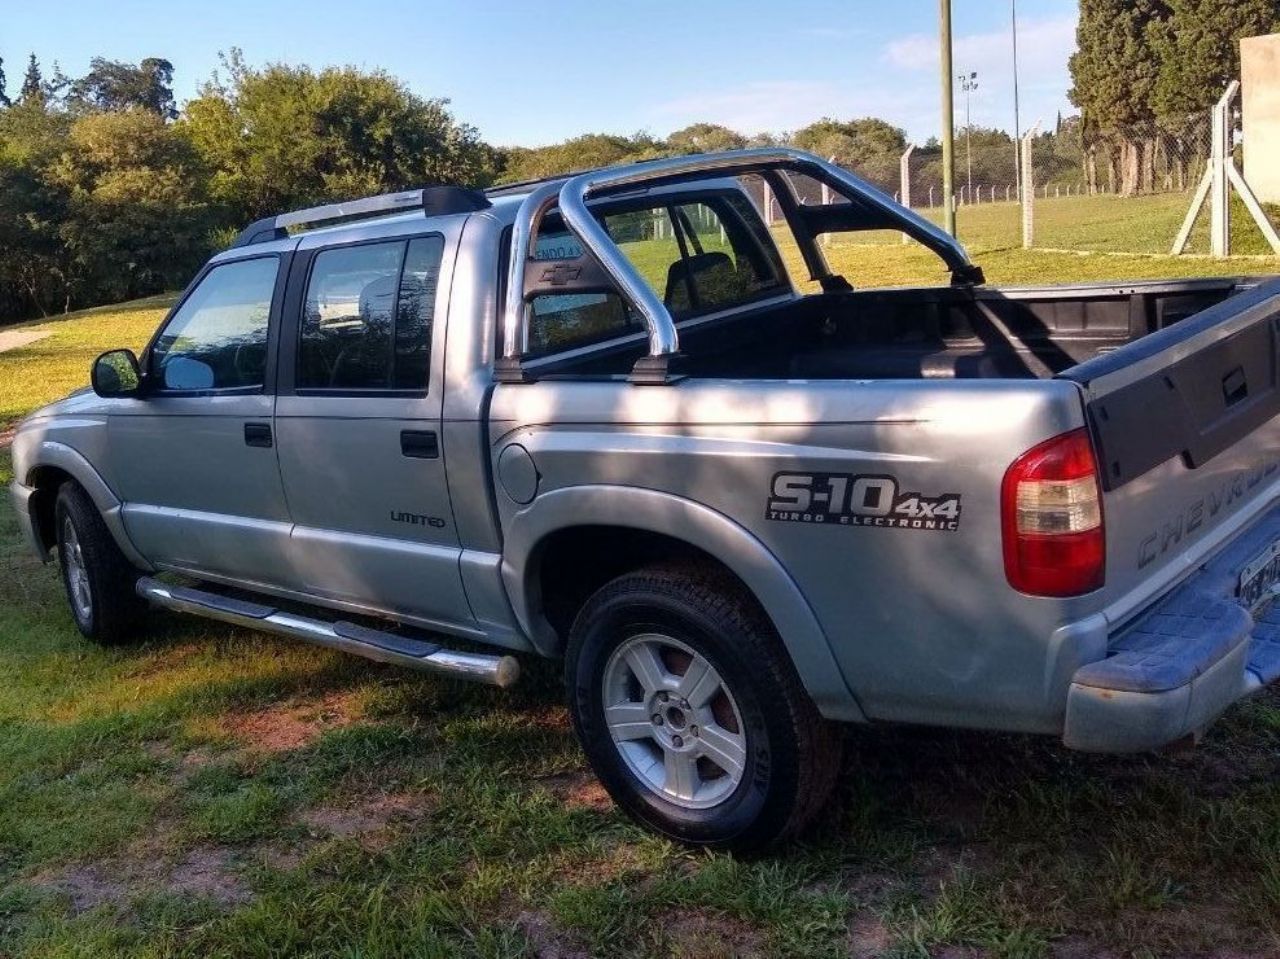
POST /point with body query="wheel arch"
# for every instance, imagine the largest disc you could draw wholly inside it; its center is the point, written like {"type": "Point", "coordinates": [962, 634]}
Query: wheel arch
{"type": "Point", "coordinates": [606, 530]}
{"type": "Point", "coordinates": [56, 463]}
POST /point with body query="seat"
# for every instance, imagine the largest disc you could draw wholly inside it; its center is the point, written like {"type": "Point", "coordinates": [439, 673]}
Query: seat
{"type": "Point", "coordinates": [714, 274]}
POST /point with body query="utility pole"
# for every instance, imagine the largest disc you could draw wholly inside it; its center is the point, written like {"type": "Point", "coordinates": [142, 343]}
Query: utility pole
{"type": "Point", "coordinates": [1017, 119]}
{"type": "Point", "coordinates": [948, 125]}
{"type": "Point", "coordinates": [968, 83]}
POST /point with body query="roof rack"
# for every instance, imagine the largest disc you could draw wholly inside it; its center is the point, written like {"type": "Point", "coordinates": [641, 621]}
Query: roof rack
{"type": "Point", "coordinates": [432, 200]}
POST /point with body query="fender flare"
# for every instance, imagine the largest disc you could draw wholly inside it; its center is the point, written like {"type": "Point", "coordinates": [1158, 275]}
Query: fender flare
{"type": "Point", "coordinates": [701, 527]}
{"type": "Point", "coordinates": [50, 454]}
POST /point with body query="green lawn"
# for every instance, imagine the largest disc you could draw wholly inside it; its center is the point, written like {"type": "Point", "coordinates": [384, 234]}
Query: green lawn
{"type": "Point", "coordinates": [214, 792]}
{"type": "Point", "coordinates": [1103, 224]}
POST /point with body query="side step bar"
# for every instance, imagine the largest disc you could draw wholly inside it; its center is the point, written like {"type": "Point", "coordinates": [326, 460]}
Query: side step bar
{"type": "Point", "coordinates": [373, 644]}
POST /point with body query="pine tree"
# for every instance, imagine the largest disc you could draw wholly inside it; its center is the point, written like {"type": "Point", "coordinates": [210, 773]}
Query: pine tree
{"type": "Point", "coordinates": [1114, 73]}
{"type": "Point", "coordinates": [32, 83]}
{"type": "Point", "coordinates": [1198, 49]}
{"type": "Point", "coordinates": [4, 97]}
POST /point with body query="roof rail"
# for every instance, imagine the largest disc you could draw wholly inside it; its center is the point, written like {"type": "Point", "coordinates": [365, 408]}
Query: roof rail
{"type": "Point", "coordinates": [432, 200]}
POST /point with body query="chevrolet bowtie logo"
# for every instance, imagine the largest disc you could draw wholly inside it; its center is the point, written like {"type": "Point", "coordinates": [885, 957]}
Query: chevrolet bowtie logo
{"type": "Point", "coordinates": [561, 274]}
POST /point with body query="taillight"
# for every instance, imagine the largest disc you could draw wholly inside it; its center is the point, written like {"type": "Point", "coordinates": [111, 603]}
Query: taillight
{"type": "Point", "coordinates": [1051, 506]}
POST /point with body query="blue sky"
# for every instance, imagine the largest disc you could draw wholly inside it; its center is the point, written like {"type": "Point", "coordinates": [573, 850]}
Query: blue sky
{"type": "Point", "coordinates": [535, 73]}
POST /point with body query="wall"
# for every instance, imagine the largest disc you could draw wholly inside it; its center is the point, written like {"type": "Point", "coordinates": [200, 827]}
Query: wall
{"type": "Point", "coordinates": [1260, 79]}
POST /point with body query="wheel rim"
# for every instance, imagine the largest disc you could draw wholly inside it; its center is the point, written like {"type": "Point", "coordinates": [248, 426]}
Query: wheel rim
{"type": "Point", "coordinates": [674, 721]}
{"type": "Point", "coordinates": [77, 572]}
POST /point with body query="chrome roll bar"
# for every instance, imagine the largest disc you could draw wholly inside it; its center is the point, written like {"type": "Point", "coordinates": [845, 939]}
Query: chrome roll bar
{"type": "Point", "coordinates": [571, 197]}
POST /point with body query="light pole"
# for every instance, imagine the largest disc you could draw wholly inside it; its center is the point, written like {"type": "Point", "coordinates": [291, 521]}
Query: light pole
{"type": "Point", "coordinates": [948, 123]}
{"type": "Point", "coordinates": [1017, 120]}
{"type": "Point", "coordinates": [968, 83]}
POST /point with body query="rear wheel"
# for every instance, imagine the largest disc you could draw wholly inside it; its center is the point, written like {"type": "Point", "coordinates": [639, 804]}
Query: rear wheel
{"type": "Point", "coordinates": [99, 579]}
{"type": "Point", "coordinates": [692, 714]}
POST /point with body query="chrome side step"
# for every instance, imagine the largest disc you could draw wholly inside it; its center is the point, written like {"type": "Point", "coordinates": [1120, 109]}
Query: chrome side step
{"type": "Point", "coordinates": [373, 644]}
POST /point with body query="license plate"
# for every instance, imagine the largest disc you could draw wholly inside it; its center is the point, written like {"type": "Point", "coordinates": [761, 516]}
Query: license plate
{"type": "Point", "coordinates": [1260, 578]}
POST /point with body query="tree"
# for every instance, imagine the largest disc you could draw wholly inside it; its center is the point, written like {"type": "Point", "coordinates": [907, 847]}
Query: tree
{"type": "Point", "coordinates": [33, 88]}
{"type": "Point", "coordinates": [705, 138]}
{"type": "Point", "coordinates": [1198, 47]}
{"type": "Point", "coordinates": [33, 259]}
{"type": "Point", "coordinates": [114, 85]}
{"type": "Point", "coordinates": [587, 152]}
{"type": "Point", "coordinates": [137, 217]}
{"type": "Point", "coordinates": [284, 137]}
{"type": "Point", "coordinates": [1114, 72]}
{"type": "Point", "coordinates": [853, 142]}
{"type": "Point", "coordinates": [4, 97]}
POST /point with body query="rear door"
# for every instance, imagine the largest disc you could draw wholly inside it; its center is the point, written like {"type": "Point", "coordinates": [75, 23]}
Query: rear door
{"type": "Point", "coordinates": [194, 457]}
{"type": "Point", "coordinates": [358, 425]}
{"type": "Point", "coordinates": [1185, 425]}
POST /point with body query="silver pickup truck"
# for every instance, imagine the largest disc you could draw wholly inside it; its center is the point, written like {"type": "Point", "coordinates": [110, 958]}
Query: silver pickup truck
{"type": "Point", "coordinates": [595, 418]}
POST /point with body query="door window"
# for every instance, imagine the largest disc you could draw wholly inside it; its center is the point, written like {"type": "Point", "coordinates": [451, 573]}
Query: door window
{"type": "Point", "coordinates": [218, 337]}
{"type": "Point", "coordinates": [700, 255]}
{"type": "Point", "coordinates": [367, 322]}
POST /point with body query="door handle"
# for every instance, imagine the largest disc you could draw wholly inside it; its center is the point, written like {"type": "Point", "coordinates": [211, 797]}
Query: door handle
{"type": "Point", "coordinates": [257, 434]}
{"type": "Point", "coordinates": [420, 444]}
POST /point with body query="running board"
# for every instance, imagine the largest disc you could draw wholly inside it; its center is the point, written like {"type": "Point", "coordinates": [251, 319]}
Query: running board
{"type": "Point", "coordinates": [373, 644]}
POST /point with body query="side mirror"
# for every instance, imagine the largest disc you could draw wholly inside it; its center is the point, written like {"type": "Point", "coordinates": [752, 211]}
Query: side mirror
{"type": "Point", "coordinates": [116, 373]}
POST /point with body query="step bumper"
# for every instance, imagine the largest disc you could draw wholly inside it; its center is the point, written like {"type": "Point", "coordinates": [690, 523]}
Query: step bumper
{"type": "Point", "coordinates": [1171, 673]}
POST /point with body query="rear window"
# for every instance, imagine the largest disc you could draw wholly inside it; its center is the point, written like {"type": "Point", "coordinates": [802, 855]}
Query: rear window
{"type": "Point", "coordinates": [701, 255]}
{"type": "Point", "coordinates": [367, 322]}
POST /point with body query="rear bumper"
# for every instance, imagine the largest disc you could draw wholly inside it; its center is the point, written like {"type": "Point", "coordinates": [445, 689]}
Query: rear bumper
{"type": "Point", "coordinates": [1172, 672]}
{"type": "Point", "coordinates": [21, 496]}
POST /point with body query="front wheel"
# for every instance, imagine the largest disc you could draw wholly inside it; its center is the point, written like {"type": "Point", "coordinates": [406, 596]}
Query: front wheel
{"type": "Point", "coordinates": [692, 714]}
{"type": "Point", "coordinates": [98, 577]}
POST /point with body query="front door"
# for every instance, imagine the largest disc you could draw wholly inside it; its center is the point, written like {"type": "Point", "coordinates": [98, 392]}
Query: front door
{"type": "Point", "coordinates": [358, 427]}
{"type": "Point", "coordinates": [194, 457]}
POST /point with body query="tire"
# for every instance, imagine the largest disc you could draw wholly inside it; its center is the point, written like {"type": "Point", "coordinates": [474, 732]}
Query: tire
{"type": "Point", "coordinates": [735, 758]}
{"type": "Point", "coordinates": [98, 578]}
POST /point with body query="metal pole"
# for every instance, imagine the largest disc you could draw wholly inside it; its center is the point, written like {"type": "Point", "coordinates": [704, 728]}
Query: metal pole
{"type": "Point", "coordinates": [948, 124]}
{"type": "Point", "coordinates": [1220, 193]}
{"type": "Point", "coordinates": [1017, 120]}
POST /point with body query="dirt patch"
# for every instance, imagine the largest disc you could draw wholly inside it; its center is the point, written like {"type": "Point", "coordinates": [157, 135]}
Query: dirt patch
{"type": "Point", "coordinates": [181, 764]}
{"type": "Point", "coordinates": [205, 872]}
{"type": "Point", "coordinates": [700, 935]}
{"type": "Point", "coordinates": [868, 936]}
{"type": "Point", "coordinates": [578, 790]}
{"type": "Point", "coordinates": [291, 725]}
{"type": "Point", "coordinates": [14, 339]}
{"type": "Point", "coordinates": [547, 940]}
{"type": "Point", "coordinates": [368, 818]}
{"type": "Point", "coordinates": [6, 437]}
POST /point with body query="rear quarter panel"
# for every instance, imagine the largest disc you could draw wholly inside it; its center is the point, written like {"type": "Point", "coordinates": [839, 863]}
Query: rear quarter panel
{"type": "Point", "coordinates": [921, 622]}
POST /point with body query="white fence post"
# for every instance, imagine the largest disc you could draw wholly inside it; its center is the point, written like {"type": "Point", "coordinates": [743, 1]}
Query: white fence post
{"type": "Point", "coordinates": [1215, 187]}
{"type": "Point", "coordinates": [1028, 191]}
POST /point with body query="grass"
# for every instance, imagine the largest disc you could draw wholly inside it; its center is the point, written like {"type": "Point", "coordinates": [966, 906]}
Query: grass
{"type": "Point", "coordinates": [1103, 224]}
{"type": "Point", "coordinates": [210, 791]}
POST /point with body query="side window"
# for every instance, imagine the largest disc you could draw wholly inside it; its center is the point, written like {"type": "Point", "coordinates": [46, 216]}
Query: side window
{"type": "Point", "coordinates": [563, 321]}
{"type": "Point", "coordinates": [218, 338]}
{"type": "Point", "coordinates": [367, 321]}
{"type": "Point", "coordinates": [699, 256]}
{"type": "Point", "coordinates": [731, 258]}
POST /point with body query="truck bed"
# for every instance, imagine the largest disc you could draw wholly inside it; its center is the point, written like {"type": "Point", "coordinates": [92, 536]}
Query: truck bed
{"type": "Point", "coordinates": [929, 333]}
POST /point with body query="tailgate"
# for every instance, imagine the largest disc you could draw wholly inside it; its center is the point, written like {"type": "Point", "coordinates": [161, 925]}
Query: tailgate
{"type": "Point", "coordinates": [1185, 429]}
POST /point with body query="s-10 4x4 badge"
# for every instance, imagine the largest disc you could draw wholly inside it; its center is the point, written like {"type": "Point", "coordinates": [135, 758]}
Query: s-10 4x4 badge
{"type": "Point", "coordinates": [843, 499]}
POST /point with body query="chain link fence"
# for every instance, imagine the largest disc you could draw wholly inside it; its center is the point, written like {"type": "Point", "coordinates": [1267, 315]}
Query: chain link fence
{"type": "Point", "coordinates": [1120, 194]}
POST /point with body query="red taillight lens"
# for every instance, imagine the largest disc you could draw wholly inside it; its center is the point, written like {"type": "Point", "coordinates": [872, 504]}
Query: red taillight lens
{"type": "Point", "coordinates": [1051, 509]}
